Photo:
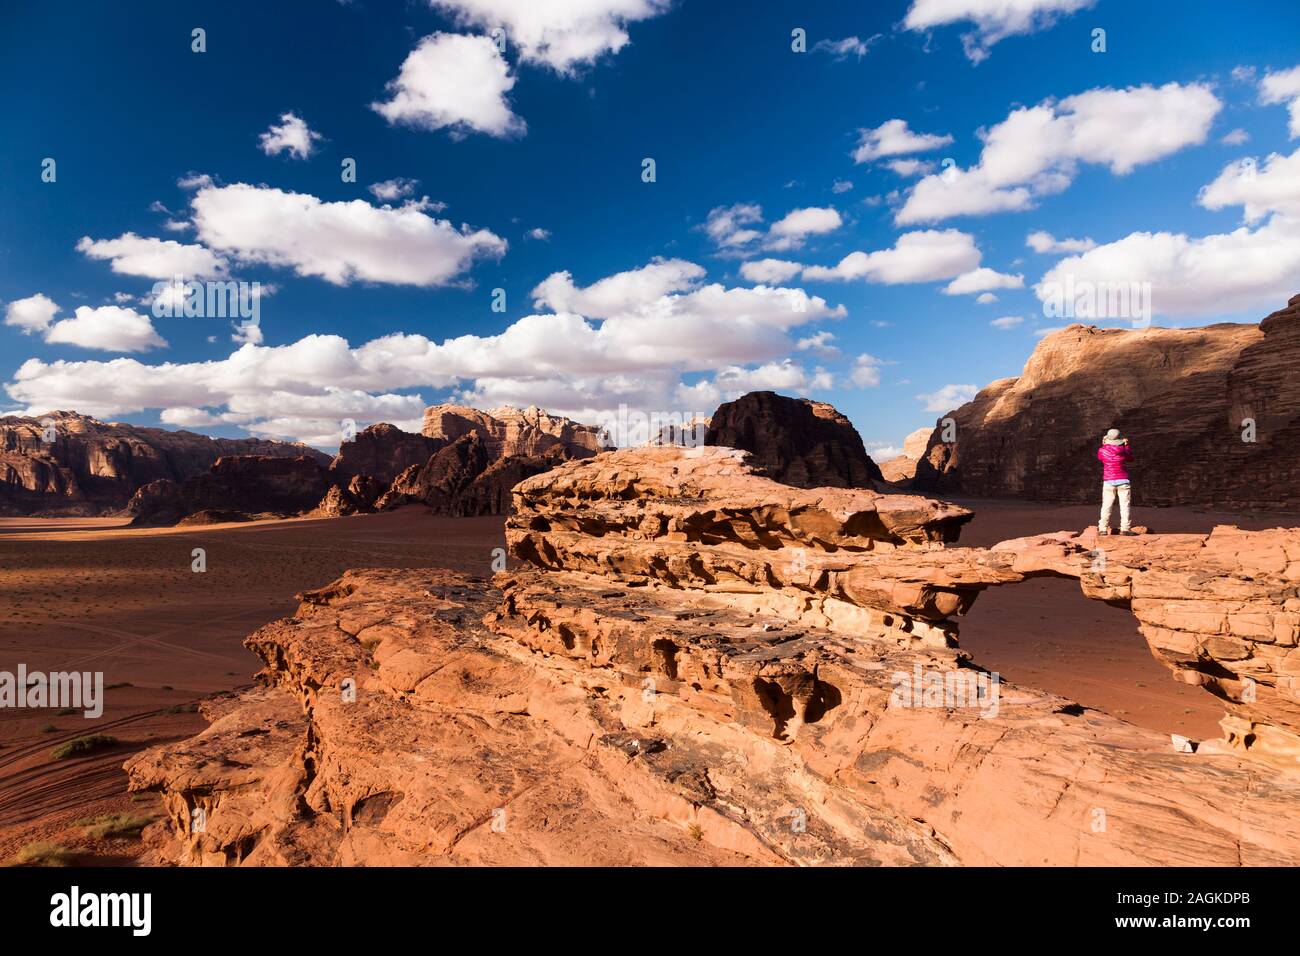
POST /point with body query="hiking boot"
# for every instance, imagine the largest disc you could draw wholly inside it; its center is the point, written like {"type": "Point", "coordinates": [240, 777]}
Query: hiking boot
{"type": "Point", "coordinates": [1103, 531]}
{"type": "Point", "coordinates": [1129, 534]}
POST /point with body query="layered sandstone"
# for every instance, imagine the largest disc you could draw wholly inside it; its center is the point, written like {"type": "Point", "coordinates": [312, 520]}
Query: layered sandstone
{"type": "Point", "coordinates": [795, 441]}
{"type": "Point", "coordinates": [506, 431]}
{"type": "Point", "coordinates": [237, 485]}
{"type": "Point", "coordinates": [93, 468]}
{"type": "Point", "coordinates": [697, 665]}
{"type": "Point", "coordinates": [903, 467]}
{"type": "Point", "coordinates": [1213, 415]}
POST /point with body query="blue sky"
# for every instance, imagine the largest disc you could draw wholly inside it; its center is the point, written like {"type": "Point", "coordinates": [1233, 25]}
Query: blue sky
{"type": "Point", "coordinates": [1173, 153]}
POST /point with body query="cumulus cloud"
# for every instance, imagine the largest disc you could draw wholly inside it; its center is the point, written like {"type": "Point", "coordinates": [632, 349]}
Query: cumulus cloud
{"type": "Point", "coordinates": [947, 398]}
{"type": "Point", "coordinates": [732, 382]}
{"type": "Point", "coordinates": [638, 353]}
{"type": "Point", "coordinates": [1048, 244]}
{"type": "Point", "coordinates": [562, 36]}
{"type": "Point", "coordinates": [391, 190]}
{"type": "Point", "coordinates": [769, 271]}
{"type": "Point", "coordinates": [910, 167]}
{"type": "Point", "coordinates": [32, 314]}
{"type": "Point", "coordinates": [540, 234]}
{"type": "Point", "coordinates": [152, 258]}
{"type": "Point", "coordinates": [1008, 321]}
{"type": "Point", "coordinates": [924, 256]}
{"type": "Point", "coordinates": [1247, 269]}
{"type": "Point", "coordinates": [866, 371]}
{"type": "Point", "coordinates": [894, 138]}
{"type": "Point", "coordinates": [108, 328]}
{"type": "Point", "coordinates": [737, 229]}
{"type": "Point", "coordinates": [291, 136]}
{"type": "Point", "coordinates": [339, 242]}
{"type": "Point", "coordinates": [1036, 150]}
{"type": "Point", "coordinates": [1259, 190]}
{"type": "Point", "coordinates": [983, 279]}
{"type": "Point", "coordinates": [620, 293]}
{"type": "Point", "coordinates": [453, 82]}
{"type": "Point", "coordinates": [993, 20]}
{"type": "Point", "coordinates": [1283, 87]}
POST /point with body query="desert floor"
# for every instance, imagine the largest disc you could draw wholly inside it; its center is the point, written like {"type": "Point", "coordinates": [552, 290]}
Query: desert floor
{"type": "Point", "coordinates": [89, 594]}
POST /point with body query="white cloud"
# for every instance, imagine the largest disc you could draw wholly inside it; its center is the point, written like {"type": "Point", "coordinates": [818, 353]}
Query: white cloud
{"type": "Point", "coordinates": [796, 226]}
{"type": "Point", "coordinates": [1274, 187]}
{"type": "Point", "coordinates": [192, 181]}
{"type": "Point", "coordinates": [1283, 87]}
{"type": "Point", "coordinates": [391, 190]}
{"type": "Point", "coordinates": [986, 298]}
{"type": "Point", "coordinates": [983, 279]}
{"type": "Point", "coordinates": [848, 46]}
{"type": "Point", "coordinates": [994, 20]}
{"type": "Point", "coordinates": [947, 398]}
{"type": "Point", "coordinates": [562, 35]}
{"type": "Point", "coordinates": [153, 258]}
{"type": "Point", "coordinates": [820, 343]}
{"type": "Point", "coordinates": [1235, 137]}
{"type": "Point", "coordinates": [732, 382]}
{"type": "Point", "coordinates": [247, 331]}
{"type": "Point", "coordinates": [540, 234]}
{"type": "Point", "coordinates": [565, 360]}
{"type": "Point", "coordinates": [893, 138]}
{"type": "Point", "coordinates": [733, 228]}
{"type": "Point", "coordinates": [1046, 243]}
{"type": "Point", "coordinates": [769, 271]}
{"type": "Point", "coordinates": [911, 167]}
{"type": "Point", "coordinates": [1008, 321]}
{"type": "Point", "coordinates": [841, 186]}
{"type": "Point", "coordinates": [620, 293]}
{"type": "Point", "coordinates": [1036, 150]}
{"type": "Point", "coordinates": [453, 82]}
{"type": "Point", "coordinates": [866, 371]}
{"type": "Point", "coordinates": [1247, 269]}
{"type": "Point", "coordinates": [292, 136]}
{"type": "Point", "coordinates": [924, 256]}
{"type": "Point", "coordinates": [109, 328]}
{"type": "Point", "coordinates": [339, 241]}
{"type": "Point", "coordinates": [32, 314]}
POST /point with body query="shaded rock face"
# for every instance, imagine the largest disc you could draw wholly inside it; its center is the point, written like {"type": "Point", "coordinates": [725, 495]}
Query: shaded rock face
{"type": "Point", "coordinates": [795, 441]}
{"type": "Point", "coordinates": [93, 468]}
{"type": "Point", "coordinates": [697, 665]}
{"type": "Point", "coordinates": [463, 480]}
{"type": "Point", "coordinates": [381, 452]}
{"type": "Point", "coordinates": [236, 485]}
{"type": "Point", "coordinates": [1184, 397]}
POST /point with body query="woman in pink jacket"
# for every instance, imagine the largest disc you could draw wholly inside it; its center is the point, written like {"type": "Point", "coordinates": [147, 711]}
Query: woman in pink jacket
{"type": "Point", "coordinates": [1114, 454]}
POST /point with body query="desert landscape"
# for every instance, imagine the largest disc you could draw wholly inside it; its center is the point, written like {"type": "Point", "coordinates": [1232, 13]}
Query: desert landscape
{"type": "Point", "coordinates": [485, 453]}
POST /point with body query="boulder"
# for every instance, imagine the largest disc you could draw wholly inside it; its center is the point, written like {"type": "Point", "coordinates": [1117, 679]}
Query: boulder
{"type": "Point", "coordinates": [795, 441]}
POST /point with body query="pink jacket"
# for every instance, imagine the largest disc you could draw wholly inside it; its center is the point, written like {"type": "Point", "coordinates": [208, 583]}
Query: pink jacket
{"type": "Point", "coordinates": [1113, 458]}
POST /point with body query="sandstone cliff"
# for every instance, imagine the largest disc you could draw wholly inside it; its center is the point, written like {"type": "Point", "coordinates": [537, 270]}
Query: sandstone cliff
{"type": "Point", "coordinates": [794, 440]}
{"type": "Point", "coordinates": [93, 467]}
{"type": "Point", "coordinates": [236, 487]}
{"type": "Point", "coordinates": [696, 665]}
{"type": "Point", "coordinates": [1187, 398]}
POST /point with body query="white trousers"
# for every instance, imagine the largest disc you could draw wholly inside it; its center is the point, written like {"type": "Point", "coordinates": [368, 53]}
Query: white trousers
{"type": "Point", "coordinates": [1108, 495]}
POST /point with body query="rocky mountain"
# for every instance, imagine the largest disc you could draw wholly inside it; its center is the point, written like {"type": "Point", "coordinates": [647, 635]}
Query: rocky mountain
{"type": "Point", "coordinates": [1213, 415]}
{"type": "Point", "coordinates": [93, 468]}
{"type": "Point", "coordinates": [903, 467]}
{"type": "Point", "coordinates": [794, 441]}
{"type": "Point", "coordinates": [696, 665]}
{"type": "Point", "coordinates": [464, 464]}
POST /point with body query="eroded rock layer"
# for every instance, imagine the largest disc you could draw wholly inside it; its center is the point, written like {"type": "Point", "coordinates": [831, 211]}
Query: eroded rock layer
{"type": "Point", "coordinates": [695, 665]}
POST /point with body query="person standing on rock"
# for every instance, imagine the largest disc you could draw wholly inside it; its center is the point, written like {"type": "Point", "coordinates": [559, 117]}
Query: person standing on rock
{"type": "Point", "coordinates": [1114, 455]}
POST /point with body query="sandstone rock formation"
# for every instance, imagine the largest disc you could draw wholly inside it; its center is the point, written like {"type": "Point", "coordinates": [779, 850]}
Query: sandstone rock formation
{"type": "Point", "coordinates": [1186, 398]}
{"type": "Point", "coordinates": [93, 467]}
{"type": "Point", "coordinates": [696, 665]}
{"type": "Point", "coordinates": [915, 445]}
{"type": "Point", "coordinates": [795, 441]}
{"type": "Point", "coordinates": [381, 452]}
{"type": "Point", "coordinates": [506, 431]}
{"type": "Point", "coordinates": [236, 485]}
